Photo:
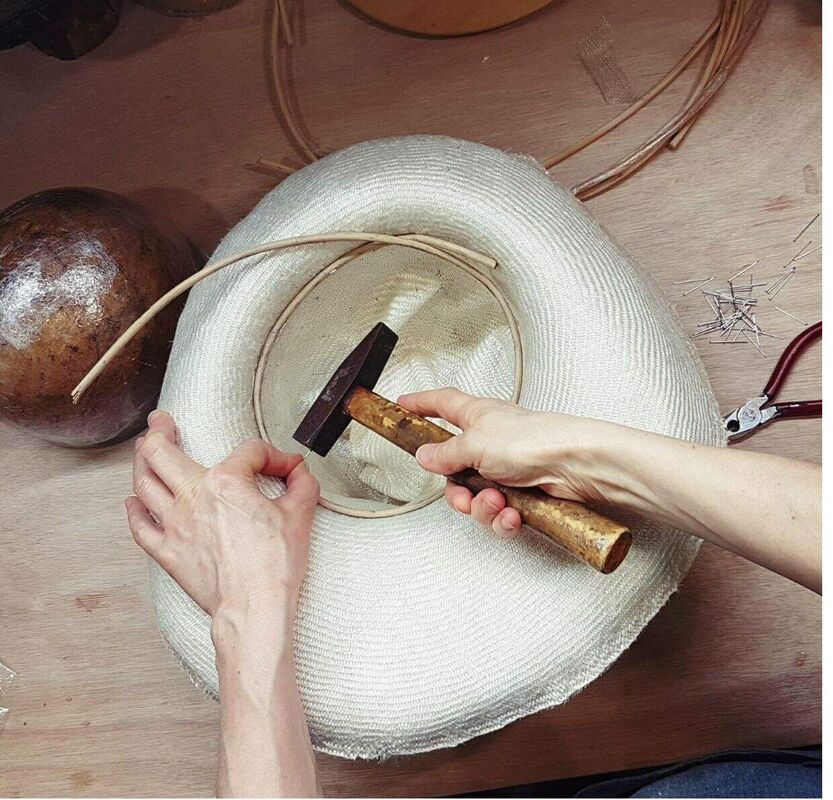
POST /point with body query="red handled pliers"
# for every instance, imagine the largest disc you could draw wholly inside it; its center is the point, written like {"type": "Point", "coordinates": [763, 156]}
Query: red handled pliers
{"type": "Point", "coordinates": [756, 413]}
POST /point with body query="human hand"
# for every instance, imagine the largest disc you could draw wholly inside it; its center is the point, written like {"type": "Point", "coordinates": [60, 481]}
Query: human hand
{"type": "Point", "coordinates": [223, 541]}
{"type": "Point", "coordinates": [513, 446]}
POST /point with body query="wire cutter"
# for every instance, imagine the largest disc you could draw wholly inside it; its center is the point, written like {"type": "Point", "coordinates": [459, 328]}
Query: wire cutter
{"type": "Point", "coordinates": [759, 411]}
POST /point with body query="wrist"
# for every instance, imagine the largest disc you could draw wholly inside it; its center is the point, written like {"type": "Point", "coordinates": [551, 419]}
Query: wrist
{"type": "Point", "coordinates": [253, 631]}
{"type": "Point", "coordinates": [603, 462]}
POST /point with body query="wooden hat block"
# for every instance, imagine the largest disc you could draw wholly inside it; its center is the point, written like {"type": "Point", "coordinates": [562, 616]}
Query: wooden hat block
{"type": "Point", "coordinates": [447, 17]}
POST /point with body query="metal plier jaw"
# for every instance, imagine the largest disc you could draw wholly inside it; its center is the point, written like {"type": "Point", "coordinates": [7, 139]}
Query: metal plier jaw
{"type": "Point", "coordinates": [749, 417]}
{"type": "Point", "coordinates": [760, 410]}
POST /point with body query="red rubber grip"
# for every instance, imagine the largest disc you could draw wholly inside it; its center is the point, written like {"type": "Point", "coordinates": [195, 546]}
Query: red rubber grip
{"type": "Point", "coordinates": [792, 352]}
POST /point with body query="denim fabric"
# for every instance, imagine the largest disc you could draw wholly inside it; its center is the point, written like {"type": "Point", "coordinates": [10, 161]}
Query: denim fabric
{"type": "Point", "coordinates": [739, 779]}
{"type": "Point", "coordinates": [738, 773]}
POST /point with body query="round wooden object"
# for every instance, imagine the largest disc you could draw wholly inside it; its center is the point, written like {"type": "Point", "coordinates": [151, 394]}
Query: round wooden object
{"type": "Point", "coordinates": [447, 17]}
{"type": "Point", "coordinates": [65, 29]}
{"type": "Point", "coordinates": [187, 8]}
{"type": "Point", "coordinates": [77, 266]}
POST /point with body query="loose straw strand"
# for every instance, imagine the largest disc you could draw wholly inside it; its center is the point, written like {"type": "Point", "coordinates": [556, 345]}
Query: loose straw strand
{"type": "Point", "coordinates": [733, 12]}
{"type": "Point", "coordinates": [655, 90]}
{"type": "Point", "coordinates": [287, 28]}
{"type": "Point", "coordinates": [210, 269]}
{"type": "Point", "coordinates": [278, 13]}
{"type": "Point", "coordinates": [730, 39]}
{"type": "Point", "coordinates": [626, 166]}
{"type": "Point", "coordinates": [277, 167]}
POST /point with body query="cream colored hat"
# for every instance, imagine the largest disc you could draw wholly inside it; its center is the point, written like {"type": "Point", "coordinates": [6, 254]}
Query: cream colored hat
{"type": "Point", "coordinates": [418, 629]}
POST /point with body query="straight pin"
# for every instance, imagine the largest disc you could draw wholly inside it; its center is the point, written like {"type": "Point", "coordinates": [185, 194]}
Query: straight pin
{"type": "Point", "coordinates": [708, 280]}
{"type": "Point", "coordinates": [786, 280]}
{"type": "Point", "coordinates": [804, 229]}
{"type": "Point", "coordinates": [792, 316]}
{"type": "Point", "coordinates": [799, 254]}
{"type": "Point", "coordinates": [779, 282]}
{"type": "Point", "coordinates": [748, 266]}
{"type": "Point", "coordinates": [808, 253]}
{"type": "Point", "coordinates": [754, 345]}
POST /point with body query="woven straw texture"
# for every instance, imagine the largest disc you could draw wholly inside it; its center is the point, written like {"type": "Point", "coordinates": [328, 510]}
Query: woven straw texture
{"type": "Point", "coordinates": [451, 331]}
{"type": "Point", "coordinates": [422, 630]}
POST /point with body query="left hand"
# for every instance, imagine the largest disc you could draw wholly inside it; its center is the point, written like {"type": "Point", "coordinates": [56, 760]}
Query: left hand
{"type": "Point", "coordinates": [223, 541]}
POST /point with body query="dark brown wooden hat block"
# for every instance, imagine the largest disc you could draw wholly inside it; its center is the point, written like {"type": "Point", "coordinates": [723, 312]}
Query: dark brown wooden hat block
{"type": "Point", "coordinates": [77, 266]}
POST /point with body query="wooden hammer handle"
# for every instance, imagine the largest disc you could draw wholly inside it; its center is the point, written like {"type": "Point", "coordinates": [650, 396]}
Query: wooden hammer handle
{"type": "Point", "coordinates": [595, 539]}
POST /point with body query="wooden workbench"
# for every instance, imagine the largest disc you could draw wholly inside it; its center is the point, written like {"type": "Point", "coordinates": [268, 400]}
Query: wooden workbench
{"type": "Point", "coordinates": [168, 111]}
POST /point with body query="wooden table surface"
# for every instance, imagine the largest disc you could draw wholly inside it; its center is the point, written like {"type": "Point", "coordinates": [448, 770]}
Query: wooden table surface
{"type": "Point", "coordinates": [169, 111]}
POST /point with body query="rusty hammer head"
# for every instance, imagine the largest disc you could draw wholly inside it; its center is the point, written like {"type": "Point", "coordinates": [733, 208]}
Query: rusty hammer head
{"type": "Point", "coordinates": [327, 419]}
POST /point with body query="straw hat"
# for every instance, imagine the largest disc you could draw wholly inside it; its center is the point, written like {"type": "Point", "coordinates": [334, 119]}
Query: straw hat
{"type": "Point", "coordinates": [417, 629]}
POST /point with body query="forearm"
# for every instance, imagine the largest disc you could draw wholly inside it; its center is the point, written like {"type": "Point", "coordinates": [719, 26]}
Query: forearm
{"type": "Point", "coordinates": [765, 508]}
{"type": "Point", "coordinates": [265, 749]}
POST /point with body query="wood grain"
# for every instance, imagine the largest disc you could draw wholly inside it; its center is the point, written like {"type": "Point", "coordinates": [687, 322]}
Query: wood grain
{"type": "Point", "coordinates": [597, 540]}
{"type": "Point", "coordinates": [168, 111]}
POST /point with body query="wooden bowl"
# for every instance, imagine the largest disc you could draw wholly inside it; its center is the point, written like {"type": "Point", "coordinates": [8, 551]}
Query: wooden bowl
{"type": "Point", "coordinates": [77, 266]}
{"type": "Point", "coordinates": [447, 17]}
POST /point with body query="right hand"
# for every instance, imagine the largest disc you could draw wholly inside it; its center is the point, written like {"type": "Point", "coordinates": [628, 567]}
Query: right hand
{"type": "Point", "coordinates": [510, 445]}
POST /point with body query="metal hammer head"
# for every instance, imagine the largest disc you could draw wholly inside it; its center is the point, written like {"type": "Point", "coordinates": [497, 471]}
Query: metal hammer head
{"type": "Point", "coordinates": [326, 419]}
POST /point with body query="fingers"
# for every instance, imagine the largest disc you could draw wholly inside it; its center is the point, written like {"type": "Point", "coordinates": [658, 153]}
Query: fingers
{"type": "Point", "coordinates": [146, 533]}
{"type": "Point", "coordinates": [162, 422]}
{"type": "Point", "coordinates": [507, 523]}
{"type": "Point", "coordinates": [257, 456]}
{"type": "Point", "coordinates": [302, 491]}
{"type": "Point", "coordinates": [458, 497]}
{"type": "Point", "coordinates": [160, 451]}
{"type": "Point", "coordinates": [488, 508]}
{"type": "Point", "coordinates": [155, 496]}
{"type": "Point", "coordinates": [448, 457]}
{"type": "Point", "coordinates": [486, 505]}
{"type": "Point", "coordinates": [450, 404]}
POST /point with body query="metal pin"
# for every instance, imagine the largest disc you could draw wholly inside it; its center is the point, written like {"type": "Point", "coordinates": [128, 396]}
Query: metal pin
{"type": "Point", "coordinates": [804, 229]}
{"type": "Point", "coordinates": [798, 254]}
{"type": "Point", "coordinates": [792, 316]}
{"type": "Point", "coordinates": [786, 280]}
{"type": "Point", "coordinates": [690, 280]}
{"type": "Point", "coordinates": [779, 282]}
{"type": "Point", "coordinates": [754, 345]}
{"type": "Point", "coordinates": [733, 300]}
{"type": "Point", "coordinates": [709, 280]}
{"type": "Point", "coordinates": [714, 306]}
{"type": "Point", "coordinates": [808, 253]}
{"type": "Point", "coordinates": [748, 266]}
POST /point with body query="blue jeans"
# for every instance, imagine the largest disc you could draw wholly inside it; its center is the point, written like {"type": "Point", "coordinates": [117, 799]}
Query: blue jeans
{"type": "Point", "coordinates": [736, 773]}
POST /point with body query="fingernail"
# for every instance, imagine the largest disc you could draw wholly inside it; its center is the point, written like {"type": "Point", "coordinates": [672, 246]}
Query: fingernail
{"type": "Point", "coordinates": [507, 525]}
{"type": "Point", "coordinates": [425, 453]}
{"type": "Point", "coordinates": [153, 414]}
{"type": "Point", "coordinates": [490, 504]}
{"type": "Point", "coordinates": [139, 442]}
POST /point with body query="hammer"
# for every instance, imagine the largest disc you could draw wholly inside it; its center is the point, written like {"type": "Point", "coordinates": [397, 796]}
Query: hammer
{"type": "Point", "coordinates": [593, 538]}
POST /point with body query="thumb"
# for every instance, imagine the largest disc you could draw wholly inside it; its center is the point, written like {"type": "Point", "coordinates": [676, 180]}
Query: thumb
{"type": "Point", "coordinates": [302, 491]}
{"type": "Point", "coordinates": [446, 458]}
{"type": "Point", "coordinates": [257, 456]}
